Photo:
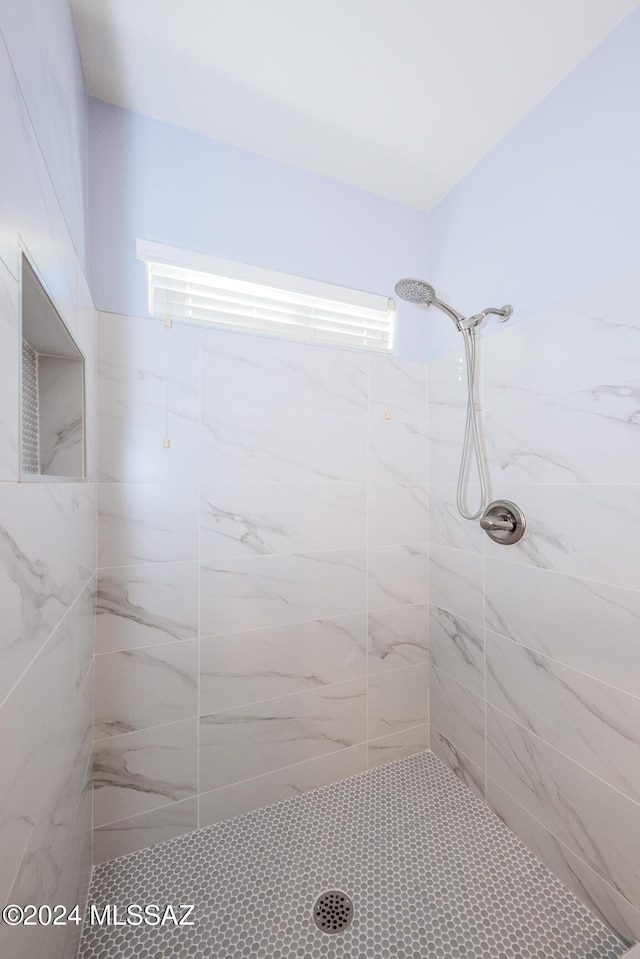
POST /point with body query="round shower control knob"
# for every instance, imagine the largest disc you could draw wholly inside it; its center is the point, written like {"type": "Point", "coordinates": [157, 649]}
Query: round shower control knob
{"type": "Point", "coordinates": [504, 522]}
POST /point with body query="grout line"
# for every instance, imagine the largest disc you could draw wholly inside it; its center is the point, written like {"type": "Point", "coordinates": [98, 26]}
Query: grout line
{"type": "Point", "coordinates": [560, 662]}
{"type": "Point", "coordinates": [300, 692]}
{"type": "Point", "coordinates": [484, 665]}
{"type": "Point", "coordinates": [145, 729]}
{"type": "Point", "coordinates": [167, 805]}
{"type": "Point", "coordinates": [68, 611]}
{"type": "Point", "coordinates": [367, 539]}
{"type": "Point", "coordinates": [199, 577]}
{"type": "Point", "coordinates": [564, 846]}
{"type": "Point", "coordinates": [560, 752]}
{"type": "Point", "coordinates": [558, 572]}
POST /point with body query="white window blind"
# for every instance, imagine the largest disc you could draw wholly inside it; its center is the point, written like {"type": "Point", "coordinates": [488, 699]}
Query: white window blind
{"type": "Point", "coordinates": [234, 296]}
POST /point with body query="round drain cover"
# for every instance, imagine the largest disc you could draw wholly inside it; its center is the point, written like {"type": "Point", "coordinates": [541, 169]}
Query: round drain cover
{"type": "Point", "coordinates": [333, 911]}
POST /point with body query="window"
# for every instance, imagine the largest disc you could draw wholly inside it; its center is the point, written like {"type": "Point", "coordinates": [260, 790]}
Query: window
{"type": "Point", "coordinates": [194, 288]}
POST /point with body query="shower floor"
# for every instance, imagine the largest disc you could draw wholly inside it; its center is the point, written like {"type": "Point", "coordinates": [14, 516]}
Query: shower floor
{"type": "Point", "coordinates": [432, 872]}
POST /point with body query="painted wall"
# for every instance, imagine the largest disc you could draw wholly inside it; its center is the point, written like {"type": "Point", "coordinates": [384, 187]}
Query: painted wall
{"type": "Point", "coordinates": [535, 691]}
{"type": "Point", "coordinates": [262, 626]}
{"type": "Point", "coordinates": [154, 181]}
{"type": "Point", "coordinates": [47, 530]}
{"type": "Point", "coordinates": [553, 210]}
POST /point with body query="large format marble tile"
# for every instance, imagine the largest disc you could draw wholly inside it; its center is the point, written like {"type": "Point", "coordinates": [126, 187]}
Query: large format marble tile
{"type": "Point", "coordinates": [595, 821]}
{"type": "Point", "coordinates": [10, 360]}
{"type": "Point", "coordinates": [139, 523]}
{"type": "Point", "coordinates": [238, 798]}
{"type": "Point", "coordinates": [398, 636]}
{"type": "Point", "coordinates": [592, 722]}
{"type": "Point", "coordinates": [458, 715]}
{"type": "Point", "coordinates": [74, 884]}
{"type": "Point", "coordinates": [584, 530]}
{"type": "Point", "coordinates": [139, 688]}
{"type": "Point", "coordinates": [43, 45]}
{"type": "Point", "coordinates": [282, 518]}
{"type": "Point", "coordinates": [456, 582]}
{"type": "Point", "coordinates": [86, 495]}
{"type": "Point", "coordinates": [398, 699]}
{"type": "Point", "coordinates": [30, 214]}
{"type": "Point", "coordinates": [41, 870]}
{"type": "Point", "coordinates": [398, 387]}
{"type": "Point", "coordinates": [140, 360]}
{"type": "Point", "coordinates": [36, 741]}
{"type": "Point", "coordinates": [587, 437]}
{"type": "Point", "coordinates": [446, 439]}
{"type": "Point", "coordinates": [388, 749]}
{"type": "Point", "coordinates": [397, 514]}
{"type": "Point", "coordinates": [260, 373]}
{"type": "Point", "coordinates": [146, 605]}
{"type": "Point", "coordinates": [261, 591]}
{"type": "Point", "coordinates": [466, 770]}
{"type": "Point", "coordinates": [592, 338]}
{"type": "Point", "coordinates": [39, 575]}
{"type": "Point", "coordinates": [597, 894]}
{"type": "Point", "coordinates": [85, 631]}
{"type": "Point", "coordinates": [261, 664]}
{"type": "Point", "coordinates": [237, 744]}
{"type": "Point", "coordinates": [397, 451]}
{"type": "Point", "coordinates": [457, 648]}
{"type": "Point", "coordinates": [397, 575]}
{"type": "Point", "coordinates": [446, 526]}
{"type": "Point", "coordinates": [590, 626]}
{"type": "Point", "coordinates": [140, 771]}
{"type": "Point", "coordinates": [257, 446]}
{"type": "Point", "coordinates": [139, 832]}
{"type": "Point", "coordinates": [447, 383]}
{"type": "Point", "coordinates": [131, 441]}
{"type": "Point", "coordinates": [60, 417]}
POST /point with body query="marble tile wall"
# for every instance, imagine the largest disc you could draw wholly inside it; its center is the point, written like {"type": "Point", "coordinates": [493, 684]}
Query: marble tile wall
{"type": "Point", "coordinates": [261, 620]}
{"type": "Point", "coordinates": [535, 648]}
{"type": "Point", "coordinates": [47, 530]}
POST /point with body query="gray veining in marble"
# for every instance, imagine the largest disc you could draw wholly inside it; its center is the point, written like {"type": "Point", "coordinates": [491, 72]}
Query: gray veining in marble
{"type": "Point", "coordinates": [261, 664]}
{"type": "Point", "coordinates": [590, 626]}
{"type": "Point", "coordinates": [459, 715]}
{"type": "Point", "coordinates": [595, 821]}
{"type": "Point", "coordinates": [240, 743]}
{"type": "Point", "coordinates": [281, 518]}
{"type": "Point", "coordinates": [260, 591]}
{"type": "Point", "coordinates": [592, 722]}
{"type": "Point", "coordinates": [398, 575]}
{"type": "Point", "coordinates": [456, 582]}
{"type": "Point", "coordinates": [457, 648]}
{"type": "Point", "coordinates": [146, 605]}
{"type": "Point", "coordinates": [398, 636]}
{"type": "Point", "coordinates": [143, 770]}
{"type": "Point", "coordinates": [263, 373]}
{"type": "Point", "coordinates": [257, 446]}
{"type": "Point", "coordinates": [397, 699]}
{"type": "Point", "coordinates": [140, 688]}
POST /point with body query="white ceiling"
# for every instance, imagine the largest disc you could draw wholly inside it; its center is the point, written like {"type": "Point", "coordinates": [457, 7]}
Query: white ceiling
{"type": "Point", "coordinates": [397, 97]}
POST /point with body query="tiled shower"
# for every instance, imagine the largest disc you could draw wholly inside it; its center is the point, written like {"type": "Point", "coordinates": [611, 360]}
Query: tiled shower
{"type": "Point", "coordinates": [260, 587]}
{"type": "Point", "coordinates": [262, 590]}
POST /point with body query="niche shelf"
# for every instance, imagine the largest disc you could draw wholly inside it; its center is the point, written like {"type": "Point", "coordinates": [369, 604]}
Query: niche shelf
{"type": "Point", "coordinates": [52, 403]}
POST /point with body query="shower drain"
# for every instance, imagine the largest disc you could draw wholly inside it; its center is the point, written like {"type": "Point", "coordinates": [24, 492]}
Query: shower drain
{"type": "Point", "coordinates": [333, 911]}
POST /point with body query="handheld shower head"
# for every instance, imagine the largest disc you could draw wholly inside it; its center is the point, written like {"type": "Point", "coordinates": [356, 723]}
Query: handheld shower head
{"type": "Point", "coordinates": [415, 291]}
{"type": "Point", "coordinates": [419, 291]}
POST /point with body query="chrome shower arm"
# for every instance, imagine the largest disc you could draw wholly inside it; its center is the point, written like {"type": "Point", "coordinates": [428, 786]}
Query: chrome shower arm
{"type": "Point", "coordinates": [457, 318]}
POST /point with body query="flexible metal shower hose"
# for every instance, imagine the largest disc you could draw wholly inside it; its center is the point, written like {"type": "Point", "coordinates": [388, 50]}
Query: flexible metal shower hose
{"type": "Point", "coordinates": [471, 433]}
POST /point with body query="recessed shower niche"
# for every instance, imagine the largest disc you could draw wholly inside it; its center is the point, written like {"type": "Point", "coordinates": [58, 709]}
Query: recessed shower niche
{"type": "Point", "coordinates": [52, 391]}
